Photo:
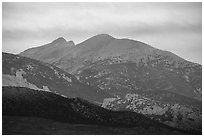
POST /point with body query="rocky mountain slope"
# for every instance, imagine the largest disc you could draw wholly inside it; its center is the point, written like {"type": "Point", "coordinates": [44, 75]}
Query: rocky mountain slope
{"type": "Point", "coordinates": [20, 71]}
{"type": "Point", "coordinates": [176, 74]}
{"type": "Point", "coordinates": [141, 78]}
{"type": "Point", "coordinates": [21, 101]}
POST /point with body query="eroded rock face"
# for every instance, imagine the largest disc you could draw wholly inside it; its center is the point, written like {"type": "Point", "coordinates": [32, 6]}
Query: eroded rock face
{"type": "Point", "coordinates": [157, 74]}
{"type": "Point", "coordinates": [152, 88]}
{"type": "Point", "coordinates": [188, 117]}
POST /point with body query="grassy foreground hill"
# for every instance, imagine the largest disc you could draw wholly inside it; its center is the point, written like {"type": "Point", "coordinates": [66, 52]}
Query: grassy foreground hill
{"type": "Point", "coordinates": [32, 105]}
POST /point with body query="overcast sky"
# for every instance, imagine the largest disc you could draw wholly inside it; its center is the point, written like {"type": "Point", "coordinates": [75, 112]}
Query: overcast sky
{"type": "Point", "coordinates": [176, 27]}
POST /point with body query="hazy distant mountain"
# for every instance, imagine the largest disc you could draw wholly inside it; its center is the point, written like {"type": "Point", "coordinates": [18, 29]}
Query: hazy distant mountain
{"type": "Point", "coordinates": [28, 102]}
{"type": "Point", "coordinates": [140, 78]}
{"type": "Point", "coordinates": [20, 71]}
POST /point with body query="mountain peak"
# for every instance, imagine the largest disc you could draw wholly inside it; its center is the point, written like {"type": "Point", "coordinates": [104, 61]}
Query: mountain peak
{"type": "Point", "coordinates": [103, 35]}
{"type": "Point", "coordinates": [59, 40]}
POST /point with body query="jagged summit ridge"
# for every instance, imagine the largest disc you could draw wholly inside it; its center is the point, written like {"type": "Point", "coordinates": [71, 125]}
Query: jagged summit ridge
{"type": "Point", "coordinates": [71, 43]}
{"type": "Point", "coordinates": [98, 47]}
{"type": "Point", "coordinates": [62, 42]}
{"type": "Point", "coordinates": [59, 40]}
